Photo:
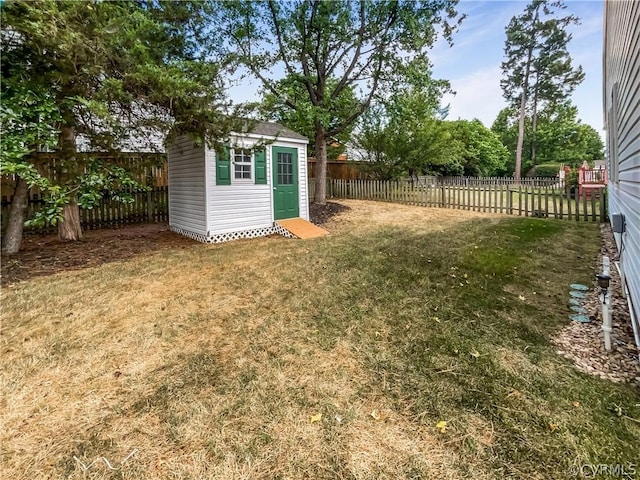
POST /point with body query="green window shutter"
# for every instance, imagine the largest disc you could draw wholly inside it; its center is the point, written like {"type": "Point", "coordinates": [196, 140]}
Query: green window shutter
{"type": "Point", "coordinates": [223, 166]}
{"type": "Point", "coordinates": [260, 157]}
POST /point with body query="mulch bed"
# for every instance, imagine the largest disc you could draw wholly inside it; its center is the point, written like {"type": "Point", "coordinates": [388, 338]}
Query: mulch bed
{"type": "Point", "coordinates": [321, 214]}
{"type": "Point", "coordinates": [583, 343]}
{"type": "Point", "coordinates": [44, 255]}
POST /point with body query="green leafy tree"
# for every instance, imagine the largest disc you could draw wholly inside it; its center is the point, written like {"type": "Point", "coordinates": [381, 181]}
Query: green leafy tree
{"type": "Point", "coordinates": [419, 136]}
{"type": "Point", "coordinates": [27, 120]}
{"type": "Point", "coordinates": [538, 69]}
{"type": "Point", "coordinates": [505, 126]}
{"type": "Point", "coordinates": [375, 147]}
{"type": "Point", "coordinates": [118, 72]}
{"type": "Point", "coordinates": [303, 118]}
{"type": "Point", "coordinates": [561, 137]}
{"type": "Point", "coordinates": [364, 46]}
{"type": "Point", "coordinates": [405, 134]}
{"type": "Point", "coordinates": [481, 150]}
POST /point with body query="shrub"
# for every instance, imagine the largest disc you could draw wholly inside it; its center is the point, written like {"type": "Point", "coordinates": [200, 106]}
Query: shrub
{"type": "Point", "coordinates": [547, 169]}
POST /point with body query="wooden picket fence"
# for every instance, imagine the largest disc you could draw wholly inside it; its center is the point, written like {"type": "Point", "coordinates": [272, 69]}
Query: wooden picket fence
{"type": "Point", "coordinates": [148, 207]}
{"type": "Point", "coordinates": [510, 199]}
{"type": "Point", "coordinates": [551, 182]}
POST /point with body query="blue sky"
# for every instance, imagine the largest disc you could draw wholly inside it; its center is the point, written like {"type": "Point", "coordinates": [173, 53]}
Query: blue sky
{"type": "Point", "coordinates": [472, 65]}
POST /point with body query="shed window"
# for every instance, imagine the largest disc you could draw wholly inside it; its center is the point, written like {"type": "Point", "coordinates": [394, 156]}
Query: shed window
{"type": "Point", "coordinates": [285, 169]}
{"type": "Point", "coordinates": [242, 161]}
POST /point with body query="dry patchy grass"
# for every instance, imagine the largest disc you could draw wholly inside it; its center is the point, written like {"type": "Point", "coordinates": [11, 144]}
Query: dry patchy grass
{"type": "Point", "coordinates": [210, 361]}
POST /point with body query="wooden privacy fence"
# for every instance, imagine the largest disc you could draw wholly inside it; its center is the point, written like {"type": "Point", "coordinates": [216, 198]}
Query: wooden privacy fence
{"type": "Point", "coordinates": [523, 200]}
{"type": "Point", "coordinates": [337, 169]}
{"type": "Point", "coordinates": [147, 207]}
{"type": "Point", "coordinates": [147, 168]}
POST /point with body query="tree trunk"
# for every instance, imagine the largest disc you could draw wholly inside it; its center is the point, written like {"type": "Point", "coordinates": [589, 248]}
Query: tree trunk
{"type": "Point", "coordinates": [17, 217]}
{"type": "Point", "coordinates": [523, 109]}
{"type": "Point", "coordinates": [69, 229]}
{"type": "Point", "coordinates": [534, 124]}
{"type": "Point", "coordinates": [523, 105]}
{"type": "Point", "coordinates": [320, 196]}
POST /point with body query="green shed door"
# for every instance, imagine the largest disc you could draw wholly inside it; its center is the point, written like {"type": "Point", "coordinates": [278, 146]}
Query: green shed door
{"type": "Point", "coordinates": [285, 182]}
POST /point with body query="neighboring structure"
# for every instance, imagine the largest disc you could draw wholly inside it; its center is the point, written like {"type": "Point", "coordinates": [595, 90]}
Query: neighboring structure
{"type": "Point", "coordinates": [257, 178]}
{"type": "Point", "coordinates": [591, 179]}
{"type": "Point", "coordinates": [622, 119]}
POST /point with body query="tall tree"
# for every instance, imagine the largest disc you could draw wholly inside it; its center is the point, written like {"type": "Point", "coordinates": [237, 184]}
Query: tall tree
{"type": "Point", "coordinates": [302, 119]}
{"type": "Point", "coordinates": [118, 72]}
{"type": "Point", "coordinates": [364, 45]}
{"type": "Point", "coordinates": [538, 68]}
{"type": "Point", "coordinates": [505, 126]}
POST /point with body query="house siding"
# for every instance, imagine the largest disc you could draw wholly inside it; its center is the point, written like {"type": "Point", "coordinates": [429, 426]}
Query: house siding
{"type": "Point", "coordinates": [622, 116]}
{"type": "Point", "coordinates": [187, 190]}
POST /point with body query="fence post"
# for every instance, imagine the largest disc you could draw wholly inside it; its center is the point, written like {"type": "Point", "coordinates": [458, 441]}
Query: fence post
{"type": "Point", "coordinates": [603, 205]}
{"type": "Point", "coordinates": [150, 206]}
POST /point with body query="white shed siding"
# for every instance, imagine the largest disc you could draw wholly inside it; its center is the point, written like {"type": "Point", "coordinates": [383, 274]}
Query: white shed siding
{"type": "Point", "coordinates": [622, 68]}
{"type": "Point", "coordinates": [304, 182]}
{"type": "Point", "coordinates": [233, 208]}
{"type": "Point", "coordinates": [187, 208]}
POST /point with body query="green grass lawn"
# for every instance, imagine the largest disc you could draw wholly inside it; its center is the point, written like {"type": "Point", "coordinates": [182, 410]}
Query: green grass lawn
{"type": "Point", "coordinates": [330, 358]}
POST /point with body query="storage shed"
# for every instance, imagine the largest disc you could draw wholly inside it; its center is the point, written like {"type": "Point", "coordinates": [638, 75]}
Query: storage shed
{"type": "Point", "coordinates": [242, 190]}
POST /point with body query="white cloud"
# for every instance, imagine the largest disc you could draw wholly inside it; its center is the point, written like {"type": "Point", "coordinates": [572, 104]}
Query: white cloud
{"type": "Point", "coordinates": [478, 95]}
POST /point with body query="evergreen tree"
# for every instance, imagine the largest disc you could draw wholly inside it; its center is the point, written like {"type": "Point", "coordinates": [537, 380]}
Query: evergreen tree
{"type": "Point", "coordinates": [538, 69]}
{"type": "Point", "coordinates": [116, 71]}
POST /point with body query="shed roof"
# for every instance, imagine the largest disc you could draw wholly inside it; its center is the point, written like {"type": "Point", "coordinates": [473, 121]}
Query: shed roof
{"type": "Point", "coordinates": [276, 130]}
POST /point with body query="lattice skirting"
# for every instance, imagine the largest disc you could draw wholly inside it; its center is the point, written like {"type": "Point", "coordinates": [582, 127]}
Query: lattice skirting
{"type": "Point", "coordinates": [226, 237]}
{"type": "Point", "coordinates": [283, 231]}
{"type": "Point", "coordinates": [195, 236]}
